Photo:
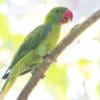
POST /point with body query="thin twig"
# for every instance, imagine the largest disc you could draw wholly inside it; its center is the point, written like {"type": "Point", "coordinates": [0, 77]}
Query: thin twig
{"type": "Point", "coordinates": [74, 33]}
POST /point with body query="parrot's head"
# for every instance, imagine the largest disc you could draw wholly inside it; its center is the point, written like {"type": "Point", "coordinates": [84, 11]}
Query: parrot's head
{"type": "Point", "coordinates": [59, 15]}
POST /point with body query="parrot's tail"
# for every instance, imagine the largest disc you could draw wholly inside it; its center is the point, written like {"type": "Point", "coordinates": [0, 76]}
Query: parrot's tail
{"type": "Point", "coordinates": [6, 87]}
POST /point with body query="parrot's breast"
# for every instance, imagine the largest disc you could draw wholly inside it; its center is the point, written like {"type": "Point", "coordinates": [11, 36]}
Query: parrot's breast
{"type": "Point", "coordinates": [51, 40]}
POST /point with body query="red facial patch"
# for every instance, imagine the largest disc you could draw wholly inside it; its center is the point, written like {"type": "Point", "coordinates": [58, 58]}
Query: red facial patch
{"type": "Point", "coordinates": [68, 15]}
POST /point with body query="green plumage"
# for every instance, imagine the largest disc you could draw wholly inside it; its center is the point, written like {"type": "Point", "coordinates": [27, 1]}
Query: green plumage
{"type": "Point", "coordinates": [35, 46]}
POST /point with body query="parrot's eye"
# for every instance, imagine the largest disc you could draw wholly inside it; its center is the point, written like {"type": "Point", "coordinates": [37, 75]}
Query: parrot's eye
{"type": "Point", "coordinates": [57, 11]}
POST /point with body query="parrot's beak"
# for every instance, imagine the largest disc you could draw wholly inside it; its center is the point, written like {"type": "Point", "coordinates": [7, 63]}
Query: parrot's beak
{"type": "Point", "coordinates": [67, 16]}
{"type": "Point", "coordinates": [69, 20]}
{"type": "Point", "coordinates": [68, 13]}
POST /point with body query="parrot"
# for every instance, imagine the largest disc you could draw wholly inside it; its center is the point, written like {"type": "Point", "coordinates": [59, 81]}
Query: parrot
{"type": "Point", "coordinates": [39, 42]}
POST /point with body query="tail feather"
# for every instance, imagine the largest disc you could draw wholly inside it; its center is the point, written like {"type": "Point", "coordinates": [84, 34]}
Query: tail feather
{"type": "Point", "coordinates": [6, 87]}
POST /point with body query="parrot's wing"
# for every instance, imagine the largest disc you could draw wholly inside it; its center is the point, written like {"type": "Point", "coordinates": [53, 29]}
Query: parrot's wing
{"type": "Point", "coordinates": [30, 42]}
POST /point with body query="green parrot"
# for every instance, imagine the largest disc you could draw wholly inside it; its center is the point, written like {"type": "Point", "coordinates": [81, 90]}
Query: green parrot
{"type": "Point", "coordinates": [36, 45]}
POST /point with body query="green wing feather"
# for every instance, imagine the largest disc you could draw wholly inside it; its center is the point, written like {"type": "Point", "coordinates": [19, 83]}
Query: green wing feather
{"type": "Point", "coordinates": [31, 42]}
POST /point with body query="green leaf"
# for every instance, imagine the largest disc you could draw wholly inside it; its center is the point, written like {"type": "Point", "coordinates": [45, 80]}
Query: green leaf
{"type": "Point", "coordinates": [98, 89]}
{"type": "Point", "coordinates": [56, 78]}
{"type": "Point", "coordinates": [1, 1]}
{"type": "Point", "coordinates": [17, 39]}
{"type": "Point", "coordinates": [84, 62]}
{"type": "Point", "coordinates": [4, 29]}
{"type": "Point", "coordinates": [57, 75]}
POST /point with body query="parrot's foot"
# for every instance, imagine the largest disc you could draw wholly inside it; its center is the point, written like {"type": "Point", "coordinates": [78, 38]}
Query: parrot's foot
{"type": "Point", "coordinates": [42, 77]}
{"type": "Point", "coordinates": [34, 70]}
{"type": "Point", "coordinates": [48, 54]}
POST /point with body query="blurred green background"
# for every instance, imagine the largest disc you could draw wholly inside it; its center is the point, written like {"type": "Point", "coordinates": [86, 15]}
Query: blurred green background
{"type": "Point", "coordinates": [76, 74]}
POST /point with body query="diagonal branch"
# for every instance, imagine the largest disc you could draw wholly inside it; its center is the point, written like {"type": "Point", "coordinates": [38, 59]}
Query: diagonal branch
{"type": "Point", "coordinates": [74, 33]}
